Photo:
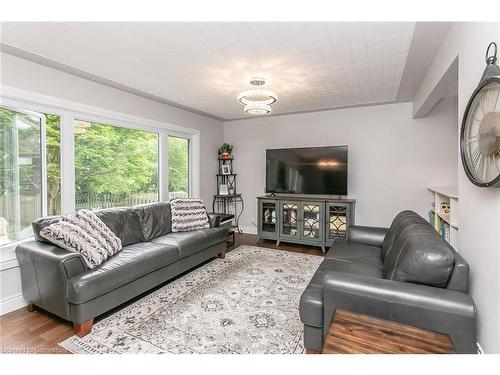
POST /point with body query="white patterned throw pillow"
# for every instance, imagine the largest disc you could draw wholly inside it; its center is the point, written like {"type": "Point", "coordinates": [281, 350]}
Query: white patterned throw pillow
{"type": "Point", "coordinates": [188, 214]}
{"type": "Point", "coordinates": [85, 233]}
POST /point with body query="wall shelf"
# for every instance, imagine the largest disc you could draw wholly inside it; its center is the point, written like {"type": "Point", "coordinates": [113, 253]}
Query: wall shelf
{"type": "Point", "coordinates": [443, 212]}
{"type": "Point", "coordinates": [451, 192]}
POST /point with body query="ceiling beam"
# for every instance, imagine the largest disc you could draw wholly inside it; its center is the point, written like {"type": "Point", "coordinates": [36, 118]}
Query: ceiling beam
{"type": "Point", "coordinates": [427, 39]}
{"type": "Point", "coordinates": [447, 86]}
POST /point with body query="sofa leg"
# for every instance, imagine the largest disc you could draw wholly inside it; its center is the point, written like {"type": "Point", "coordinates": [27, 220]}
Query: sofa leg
{"type": "Point", "coordinates": [31, 307]}
{"type": "Point", "coordinates": [312, 351]}
{"type": "Point", "coordinates": [221, 255]}
{"type": "Point", "coordinates": [84, 328]}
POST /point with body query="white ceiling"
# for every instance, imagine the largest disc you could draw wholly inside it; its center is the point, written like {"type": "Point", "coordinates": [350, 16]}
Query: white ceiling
{"type": "Point", "coordinates": [203, 66]}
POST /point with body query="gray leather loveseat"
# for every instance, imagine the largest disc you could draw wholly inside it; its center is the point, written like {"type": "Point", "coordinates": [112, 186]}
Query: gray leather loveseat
{"type": "Point", "coordinates": [59, 281]}
{"type": "Point", "coordinates": [406, 273]}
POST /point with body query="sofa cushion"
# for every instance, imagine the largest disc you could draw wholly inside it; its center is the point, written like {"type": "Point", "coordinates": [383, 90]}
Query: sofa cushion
{"type": "Point", "coordinates": [402, 221]}
{"type": "Point", "coordinates": [155, 219]}
{"type": "Point", "coordinates": [366, 235]}
{"type": "Point", "coordinates": [41, 223]}
{"type": "Point", "coordinates": [355, 252]}
{"type": "Point", "coordinates": [311, 301]}
{"type": "Point", "coordinates": [193, 241]}
{"type": "Point", "coordinates": [352, 267]}
{"type": "Point", "coordinates": [131, 263]}
{"type": "Point", "coordinates": [123, 222]}
{"type": "Point", "coordinates": [418, 254]}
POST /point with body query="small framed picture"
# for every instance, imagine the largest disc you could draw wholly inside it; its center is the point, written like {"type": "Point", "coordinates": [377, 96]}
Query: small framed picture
{"type": "Point", "coordinates": [226, 169]}
{"type": "Point", "coordinates": [223, 190]}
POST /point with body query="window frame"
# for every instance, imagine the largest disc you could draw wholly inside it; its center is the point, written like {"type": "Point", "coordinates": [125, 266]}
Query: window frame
{"type": "Point", "coordinates": [43, 162]}
{"type": "Point", "coordinates": [69, 111]}
{"type": "Point", "coordinates": [190, 159]}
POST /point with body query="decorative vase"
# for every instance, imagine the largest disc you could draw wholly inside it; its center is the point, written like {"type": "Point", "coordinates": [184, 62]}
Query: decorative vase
{"type": "Point", "coordinates": [225, 155]}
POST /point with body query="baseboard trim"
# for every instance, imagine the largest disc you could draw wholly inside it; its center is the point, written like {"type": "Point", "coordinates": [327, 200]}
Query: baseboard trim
{"type": "Point", "coordinates": [479, 349]}
{"type": "Point", "coordinates": [248, 229]}
{"type": "Point", "coordinates": [12, 303]}
{"type": "Point", "coordinates": [8, 264]}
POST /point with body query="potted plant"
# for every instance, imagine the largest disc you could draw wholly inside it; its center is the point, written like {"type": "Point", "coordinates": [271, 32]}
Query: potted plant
{"type": "Point", "coordinates": [225, 151]}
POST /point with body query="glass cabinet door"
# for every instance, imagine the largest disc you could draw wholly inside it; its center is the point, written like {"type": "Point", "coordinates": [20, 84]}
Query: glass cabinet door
{"type": "Point", "coordinates": [290, 219]}
{"type": "Point", "coordinates": [337, 216]}
{"type": "Point", "coordinates": [268, 217]}
{"type": "Point", "coordinates": [311, 228]}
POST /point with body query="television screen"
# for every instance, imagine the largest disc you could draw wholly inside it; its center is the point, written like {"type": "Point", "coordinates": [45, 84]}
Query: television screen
{"type": "Point", "coordinates": [312, 170]}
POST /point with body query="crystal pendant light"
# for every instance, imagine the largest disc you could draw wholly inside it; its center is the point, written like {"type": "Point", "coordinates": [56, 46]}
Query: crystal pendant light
{"type": "Point", "coordinates": [257, 101]}
{"type": "Point", "coordinates": [257, 108]}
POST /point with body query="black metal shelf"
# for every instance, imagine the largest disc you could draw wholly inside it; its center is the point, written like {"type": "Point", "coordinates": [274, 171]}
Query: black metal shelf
{"type": "Point", "coordinates": [227, 196]}
{"type": "Point", "coordinates": [228, 203]}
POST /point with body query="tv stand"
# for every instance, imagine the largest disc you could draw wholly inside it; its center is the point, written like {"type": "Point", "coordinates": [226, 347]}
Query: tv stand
{"type": "Point", "coordinates": [304, 220]}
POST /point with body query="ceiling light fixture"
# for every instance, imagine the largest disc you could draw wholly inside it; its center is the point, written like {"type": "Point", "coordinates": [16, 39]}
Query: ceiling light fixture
{"type": "Point", "coordinates": [257, 109]}
{"type": "Point", "coordinates": [257, 101]}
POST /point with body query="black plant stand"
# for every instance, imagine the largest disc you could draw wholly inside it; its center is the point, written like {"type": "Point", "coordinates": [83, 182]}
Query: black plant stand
{"type": "Point", "coordinates": [228, 201]}
{"type": "Point", "coordinates": [225, 220]}
{"type": "Point", "coordinates": [229, 204]}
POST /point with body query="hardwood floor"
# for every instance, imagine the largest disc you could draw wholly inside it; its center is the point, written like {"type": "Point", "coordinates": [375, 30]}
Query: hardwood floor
{"type": "Point", "coordinates": [354, 333]}
{"type": "Point", "coordinates": [250, 239]}
{"type": "Point", "coordinates": [34, 332]}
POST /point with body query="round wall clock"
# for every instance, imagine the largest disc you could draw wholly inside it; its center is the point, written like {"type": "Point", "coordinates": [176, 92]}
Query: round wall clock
{"type": "Point", "coordinates": [480, 133]}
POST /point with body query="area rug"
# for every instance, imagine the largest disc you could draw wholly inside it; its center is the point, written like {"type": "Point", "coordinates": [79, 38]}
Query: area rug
{"type": "Point", "coordinates": [245, 303]}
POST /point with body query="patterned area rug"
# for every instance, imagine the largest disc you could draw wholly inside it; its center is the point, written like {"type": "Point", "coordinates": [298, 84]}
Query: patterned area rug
{"type": "Point", "coordinates": [245, 303]}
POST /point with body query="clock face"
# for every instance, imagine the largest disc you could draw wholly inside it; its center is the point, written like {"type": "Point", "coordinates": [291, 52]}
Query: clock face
{"type": "Point", "coordinates": [480, 136]}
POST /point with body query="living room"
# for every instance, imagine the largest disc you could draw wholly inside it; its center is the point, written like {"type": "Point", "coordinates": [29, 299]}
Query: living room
{"type": "Point", "coordinates": [241, 186]}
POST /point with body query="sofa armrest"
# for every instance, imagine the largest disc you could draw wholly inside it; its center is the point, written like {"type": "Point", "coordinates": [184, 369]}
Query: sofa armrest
{"type": "Point", "coordinates": [44, 271]}
{"type": "Point", "coordinates": [213, 220]}
{"type": "Point", "coordinates": [70, 263]}
{"type": "Point", "coordinates": [373, 236]}
{"type": "Point", "coordinates": [436, 309]}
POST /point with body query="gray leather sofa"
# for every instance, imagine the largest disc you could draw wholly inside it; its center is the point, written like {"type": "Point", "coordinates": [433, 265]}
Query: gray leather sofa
{"type": "Point", "coordinates": [59, 281]}
{"type": "Point", "coordinates": [406, 273]}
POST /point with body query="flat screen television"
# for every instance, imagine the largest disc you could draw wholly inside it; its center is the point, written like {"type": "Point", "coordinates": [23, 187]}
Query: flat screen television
{"type": "Point", "coordinates": [311, 170]}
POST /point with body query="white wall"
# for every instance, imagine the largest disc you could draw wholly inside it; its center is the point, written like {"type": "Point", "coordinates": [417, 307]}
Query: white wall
{"type": "Point", "coordinates": [392, 157]}
{"type": "Point", "coordinates": [26, 75]}
{"type": "Point", "coordinates": [479, 216]}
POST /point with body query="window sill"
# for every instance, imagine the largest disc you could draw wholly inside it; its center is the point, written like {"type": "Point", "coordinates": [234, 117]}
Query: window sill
{"type": "Point", "coordinates": [8, 257]}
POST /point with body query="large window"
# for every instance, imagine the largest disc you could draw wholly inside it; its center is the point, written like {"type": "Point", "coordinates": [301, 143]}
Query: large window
{"type": "Point", "coordinates": [178, 167]}
{"type": "Point", "coordinates": [114, 166]}
{"type": "Point", "coordinates": [23, 176]}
